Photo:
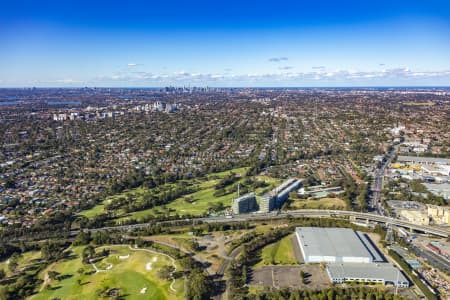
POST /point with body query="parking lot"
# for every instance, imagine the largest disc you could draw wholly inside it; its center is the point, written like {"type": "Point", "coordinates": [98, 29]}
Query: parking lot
{"type": "Point", "coordinates": [289, 276]}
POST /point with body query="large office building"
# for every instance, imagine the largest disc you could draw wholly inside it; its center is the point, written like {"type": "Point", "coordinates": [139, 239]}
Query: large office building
{"type": "Point", "coordinates": [266, 203]}
{"type": "Point", "coordinates": [275, 198]}
{"type": "Point", "coordinates": [244, 204]}
{"type": "Point", "coordinates": [349, 255]}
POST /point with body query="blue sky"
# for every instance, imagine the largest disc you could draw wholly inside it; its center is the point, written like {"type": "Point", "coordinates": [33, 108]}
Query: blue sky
{"type": "Point", "coordinates": [225, 43]}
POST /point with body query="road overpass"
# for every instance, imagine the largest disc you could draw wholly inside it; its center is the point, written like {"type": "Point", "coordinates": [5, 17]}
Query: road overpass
{"type": "Point", "coordinates": [439, 231]}
{"type": "Point", "coordinates": [444, 232]}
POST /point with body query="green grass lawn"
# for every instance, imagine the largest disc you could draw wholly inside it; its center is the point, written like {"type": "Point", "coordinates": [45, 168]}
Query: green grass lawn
{"type": "Point", "coordinates": [238, 171]}
{"type": "Point", "coordinates": [96, 210]}
{"type": "Point", "coordinates": [130, 275]}
{"type": "Point", "coordinates": [325, 203]}
{"type": "Point", "coordinates": [25, 260]}
{"type": "Point", "coordinates": [278, 253]}
{"type": "Point", "coordinates": [201, 198]}
{"type": "Point", "coordinates": [135, 193]}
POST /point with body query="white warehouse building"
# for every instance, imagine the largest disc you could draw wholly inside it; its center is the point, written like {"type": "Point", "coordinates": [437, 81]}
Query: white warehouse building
{"type": "Point", "coordinates": [383, 273]}
{"type": "Point", "coordinates": [335, 245]}
{"type": "Point", "coordinates": [350, 256]}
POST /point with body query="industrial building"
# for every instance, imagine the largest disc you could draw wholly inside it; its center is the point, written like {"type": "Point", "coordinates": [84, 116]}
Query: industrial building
{"type": "Point", "coordinates": [383, 273]}
{"type": "Point", "coordinates": [334, 245]}
{"type": "Point", "coordinates": [423, 160]}
{"type": "Point", "coordinates": [350, 256]}
{"type": "Point", "coordinates": [441, 190]}
{"type": "Point", "coordinates": [415, 216]}
{"type": "Point", "coordinates": [421, 214]}
{"type": "Point", "coordinates": [244, 204]}
{"type": "Point", "coordinates": [319, 191]}
{"type": "Point", "coordinates": [439, 214]}
{"type": "Point", "coordinates": [275, 198]}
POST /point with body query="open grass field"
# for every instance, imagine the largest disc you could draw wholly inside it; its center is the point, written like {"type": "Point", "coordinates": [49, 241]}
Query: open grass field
{"type": "Point", "coordinates": [96, 210]}
{"type": "Point", "coordinates": [26, 260]}
{"type": "Point", "coordinates": [133, 272]}
{"type": "Point", "coordinates": [205, 191]}
{"type": "Point", "coordinates": [278, 253]}
{"type": "Point", "coordinates": [137, 193]}
{"type": "Point", "coordinates": [205, 196]}
{"type": "Point", "coordinates": [199, 202]}
{"type": "Point", "coordinates": [324, 203]}
{"type": "Point", "coordinates": [238, 171]}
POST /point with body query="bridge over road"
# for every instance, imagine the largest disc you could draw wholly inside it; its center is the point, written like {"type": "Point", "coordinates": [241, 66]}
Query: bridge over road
{"type": "Point", "coordinates": [439, 231]}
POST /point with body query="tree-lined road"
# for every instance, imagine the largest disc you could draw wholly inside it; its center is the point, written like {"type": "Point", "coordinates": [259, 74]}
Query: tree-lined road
{"type": "Point", "coordinates": [439, 231]}
{"type": "Point", "coordinates": [376, 203]}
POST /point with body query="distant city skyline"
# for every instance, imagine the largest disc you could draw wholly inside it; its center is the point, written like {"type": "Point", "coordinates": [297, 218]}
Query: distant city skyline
{"type": "Point", "coordinates": [204, 43]}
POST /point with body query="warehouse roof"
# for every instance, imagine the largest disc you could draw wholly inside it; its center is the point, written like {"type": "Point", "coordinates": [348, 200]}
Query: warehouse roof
{"type": "Point", "coordinates": [377, 256]}
{"type": "Point", "coordinates": [384, 271]}
{"type": "Point", "coordinates": [337, 242]}
{"type": "Point", "coordinates": [419, 159]}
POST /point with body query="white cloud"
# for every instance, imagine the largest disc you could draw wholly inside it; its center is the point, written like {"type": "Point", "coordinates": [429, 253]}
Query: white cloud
{"type": "Point", "coordinates": [133, 65]}
{"type": "Point", "coordinates": [318, 75]}
{"type": "Point", "coordinates": [67, 81]}
{"type": "Point", "coordinates": [278, 59]}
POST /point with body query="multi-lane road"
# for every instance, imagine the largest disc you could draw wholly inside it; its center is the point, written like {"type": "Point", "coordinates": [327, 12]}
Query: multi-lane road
{"type": "Point", "coordinates": [444, 232]}
{"type": "Point", "coordinates": [439, 231]}
{"type": "Point", "coordinates": [376, 203]}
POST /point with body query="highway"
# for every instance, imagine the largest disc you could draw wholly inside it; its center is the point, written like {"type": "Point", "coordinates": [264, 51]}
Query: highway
{"type": "Point", "coordinates": [376, 203]}
{"type": "Point", "coordinates": [439, 231]}
{"type": "Point", "coordinates": [337, 213]}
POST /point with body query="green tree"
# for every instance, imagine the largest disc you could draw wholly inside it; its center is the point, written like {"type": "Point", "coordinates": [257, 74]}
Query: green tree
{"type": "Point", "coordinates": [13, 262]}
{"type": "Point", "coordinates": [52, 275]}
{"type": "Point", "coordinates": [83, 238]}
{"type": "Point", "coordinates": [88, 253]}
{"type": "Point", "coordinates": [166, 272]}
{"type": "Point", "coordinates": [199, 286]}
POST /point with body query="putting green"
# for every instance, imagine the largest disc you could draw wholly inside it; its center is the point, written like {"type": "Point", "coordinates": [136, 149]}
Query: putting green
{"type": "Point", "coordinates": [133, 272]}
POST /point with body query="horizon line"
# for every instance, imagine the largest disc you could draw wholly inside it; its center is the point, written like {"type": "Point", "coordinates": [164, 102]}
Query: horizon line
{"type": "Point", "coordinates": [226, 87]}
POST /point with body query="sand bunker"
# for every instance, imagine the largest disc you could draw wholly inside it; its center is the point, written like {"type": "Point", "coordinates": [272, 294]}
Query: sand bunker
{"type": "Point", "coordinates": [148, 266]}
